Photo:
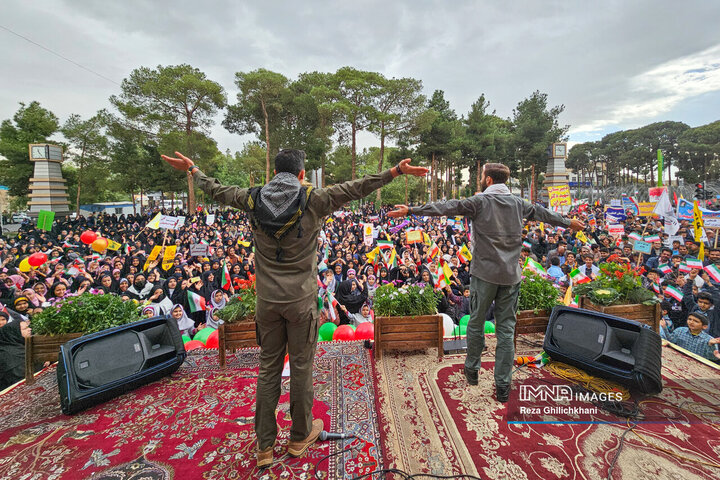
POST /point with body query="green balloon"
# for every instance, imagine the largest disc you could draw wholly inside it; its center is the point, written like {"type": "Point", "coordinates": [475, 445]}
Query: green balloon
{"type": "Point", "coordinates": [326, 331]}
{"type": "Point", "coordinates": [489, 327]}
{"type": "Point", "coordinates": [461, 330]}
{"type": "Point", "coordinates": [203, 334]}
{"type": "Point", "coordinates": [464, 320]}
{"type": "Point", "coordinates": [186, 338]}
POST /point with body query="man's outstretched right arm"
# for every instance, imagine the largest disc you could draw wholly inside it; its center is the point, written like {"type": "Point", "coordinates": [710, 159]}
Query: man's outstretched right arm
{"type": "Point", "coordinates": [226, 195]}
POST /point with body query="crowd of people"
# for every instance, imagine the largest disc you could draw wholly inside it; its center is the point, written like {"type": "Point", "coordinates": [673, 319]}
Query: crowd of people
{"type": "Point", "coordinates": [347, 269]}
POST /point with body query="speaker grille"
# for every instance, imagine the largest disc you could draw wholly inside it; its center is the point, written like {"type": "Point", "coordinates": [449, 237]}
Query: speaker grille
{"type": "Point", "coordinates": [107, 359]}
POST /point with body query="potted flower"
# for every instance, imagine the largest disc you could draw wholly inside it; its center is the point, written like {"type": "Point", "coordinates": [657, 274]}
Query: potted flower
{"type": "Point", "coordinates": [406, 318]}
{"type": "Point", "coordinates": [618, 291]}
{"type": "Point", "coordinates": [73, 317]}
{"type": "Point", "coordinates": [536, 300]}
{"type": "Point", "coordinates": [238, 316]}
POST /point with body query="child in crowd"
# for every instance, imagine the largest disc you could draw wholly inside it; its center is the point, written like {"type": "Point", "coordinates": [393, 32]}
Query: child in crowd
{"type": "Point", "coordinates": [693, 338]}
{"type": "Point", "coordinates": [665, 308]}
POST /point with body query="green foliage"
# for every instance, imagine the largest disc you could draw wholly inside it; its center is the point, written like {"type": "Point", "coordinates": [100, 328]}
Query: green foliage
{"type": "Point", "coordinates": [407, 301]}
{"type": "Point", "coordinates": [240, 307]}
{"type": "Point", "coordinates": [536, 293]}
{"type": "Point", "coordinates": [616, 284]}
{"type": "Point", "coordinates": [30, 124]}
{"type": "Point", "coordinates": [86, 313]}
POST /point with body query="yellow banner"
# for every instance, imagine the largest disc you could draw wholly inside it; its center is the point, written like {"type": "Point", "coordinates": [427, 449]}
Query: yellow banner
{"type": "Point", "coordinates": [698, 229]}
{"type": "Point", "coordinates": [646, 208]}
{"type": "Point", "coordinates": [155, 222]}
{"type": "Point", "coordinates": [559, 195]}
{"type": "Point", "coordinates": [169, 257]}
{"type": "Point", "coordinates": [153, 255]}
{"type": "Point", "coordinates": [414, 236]}
{"type": "Point", "coordinates": [113, 245]}
{"type": "Point", "coordinates": [581, 236]}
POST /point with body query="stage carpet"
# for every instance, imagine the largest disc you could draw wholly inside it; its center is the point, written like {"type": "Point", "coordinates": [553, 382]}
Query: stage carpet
{"type": "Point", "coordinates": [194, 424]}
{"type": "Point", "coordinates": [433, 422]}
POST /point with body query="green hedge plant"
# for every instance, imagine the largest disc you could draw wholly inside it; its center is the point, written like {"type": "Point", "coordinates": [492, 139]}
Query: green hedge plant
{"type": "Point", "coordinates": [86, 313]}
{"type": "Point", "coordinates": [406, 301]}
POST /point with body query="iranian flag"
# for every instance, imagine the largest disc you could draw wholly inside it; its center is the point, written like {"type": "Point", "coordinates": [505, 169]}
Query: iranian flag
{"type": "Point", "coordinates": [126, 249]}
{"type": "Point", "coordinates": [434, 251]}
{"type": "Point", "coordinates": [652, 238]}
{"type": "Point", "coordinates": [713, 271]}
{"type": "Point", "coordinates": [333, 303]}
{"type": "Point", "coordinates": [225, 283]}
{"type": "Point", "coordinates": [575, 302]}
{"type": "Point", "coordinates": [438, 280]}
{"type": "Point", "coordinates": [684, 268]}
{"type": "Point", "coordinates": [694, 263]}
{"type": "Point", "coordinates": [385, 244]}
{"type": "Point", "coordinates": [665, 268]}
{"type": "Point", "coordinates": [635, 236]}
{"type": "Point", "coordinates": [656, 287]}
{"type": "Point", "coordinates": [578, 277]}
{"type": "Point", "coordinates": [674, 292]}
{"type": "Point", "coordinates": [197, 302]}
{"type": "Point", "coordinates": [527, 244]}
{"type": "Point", "coordinates": [534, 266]}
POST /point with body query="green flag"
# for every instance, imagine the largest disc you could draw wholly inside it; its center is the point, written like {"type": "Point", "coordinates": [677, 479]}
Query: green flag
{"type": "Point", "coordinates": [660, 168]}
{"type": "Point", "coordinates": [45, 220]}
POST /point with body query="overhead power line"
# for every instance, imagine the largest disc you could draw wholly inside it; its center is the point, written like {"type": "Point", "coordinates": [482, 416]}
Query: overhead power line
{"type": "Point", "coordinates": [59, 55]}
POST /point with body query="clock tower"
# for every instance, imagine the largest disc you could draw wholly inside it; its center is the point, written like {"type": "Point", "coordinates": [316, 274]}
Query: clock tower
{"type": "Point", "coordinates": [47, 187]}
{"type": "Point", "coordinates": [555, 174]}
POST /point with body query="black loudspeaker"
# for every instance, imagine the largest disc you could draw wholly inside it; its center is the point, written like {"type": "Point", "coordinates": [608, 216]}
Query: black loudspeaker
{"type": "Point", "coordinates": [97, 367]}
{"type": "Point", "coordinates": [614, 348]}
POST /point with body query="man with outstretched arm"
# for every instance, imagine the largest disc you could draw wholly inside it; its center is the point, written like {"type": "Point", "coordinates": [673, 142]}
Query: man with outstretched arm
{"type": "Point", "coordinates": [497, 222]}
{"type": "Point", "coordinates": [286, 217]}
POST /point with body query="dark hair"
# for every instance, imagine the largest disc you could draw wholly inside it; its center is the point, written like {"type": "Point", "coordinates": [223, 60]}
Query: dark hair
{"type": "Point", "coordinates": [705, 296]}
{"type": "Point", "coordinates": [665, 249]}
{"type": "Point", "coordinates": [555, 261]}
{"type": "Point", "coordinates": [702, 317]}
{"type": "Point", "coordinates": [497, 171]}
{"type": "Point", "coordinates": [665, 305]}
{"type": "Point", "coordinates": [290, 161]}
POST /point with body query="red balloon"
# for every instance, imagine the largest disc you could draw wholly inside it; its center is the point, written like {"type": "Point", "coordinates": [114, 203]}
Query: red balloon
{"type": "Point", "coordinates": [365, 331]}
{"type": "Point", "coordinates": [212, 340]}
{"type": "Point", "coordinates": [88, 237]}
{"type": "Point", "coordinates": [193, 345]}
{"type": "Point", "coordinates": [37, 259]}
{"type": "Point", "coordinates": [344, 332]}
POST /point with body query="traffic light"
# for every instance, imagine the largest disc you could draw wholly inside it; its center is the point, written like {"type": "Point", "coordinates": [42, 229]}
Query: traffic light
{"type": "Point", "coordinates": [700, 193]}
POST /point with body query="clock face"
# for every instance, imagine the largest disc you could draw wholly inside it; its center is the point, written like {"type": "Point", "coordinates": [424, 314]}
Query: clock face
{"type": "Point", "coordinates": [559, 150]}
{"type": "Point", "coordinates": [38, 151]}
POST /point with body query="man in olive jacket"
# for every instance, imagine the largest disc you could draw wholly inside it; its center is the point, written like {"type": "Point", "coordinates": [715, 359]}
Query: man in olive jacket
{"type": "Point", "coordinates": [286, 217]}
{"type": "Point", "coordinates": [497, 218]}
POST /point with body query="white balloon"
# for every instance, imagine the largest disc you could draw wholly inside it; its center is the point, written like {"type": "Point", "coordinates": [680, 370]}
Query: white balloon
{"type": "Point", "coordinates": [448, 324]}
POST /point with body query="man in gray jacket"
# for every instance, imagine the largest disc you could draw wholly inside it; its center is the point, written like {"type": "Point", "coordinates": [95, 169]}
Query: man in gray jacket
{"type": "Point", "coordinates": [497, 222]}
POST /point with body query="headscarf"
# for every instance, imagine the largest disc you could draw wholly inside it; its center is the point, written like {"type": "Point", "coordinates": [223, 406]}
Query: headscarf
{"type": "Point", "coordinates": [209, 320]}
{"type": "Point", "coordinates": [18, 280]}
{"type": "Point", "coordinates": [351, 299]}
{"type": "Point", "coordinates": [184, 323]}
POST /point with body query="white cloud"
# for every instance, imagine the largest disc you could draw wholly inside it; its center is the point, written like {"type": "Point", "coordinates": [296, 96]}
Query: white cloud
{"type": "Point", "coordinates": [661, 89]}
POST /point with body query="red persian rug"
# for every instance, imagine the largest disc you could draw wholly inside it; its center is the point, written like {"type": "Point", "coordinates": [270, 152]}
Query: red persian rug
{"type": "Point", "coordinates": [433, 422]}
{"type": "Point", "coordinates": [194, 424]}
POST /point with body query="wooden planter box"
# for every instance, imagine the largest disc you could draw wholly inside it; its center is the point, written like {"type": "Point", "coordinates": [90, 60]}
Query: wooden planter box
{"type": "Point", "coordinates": [647, 314]}
{"type": "Point", "coordinates": [408, 333]}
{"type": "Point", "coordinates": [43, 348]}
{"type": "Point", "coordinates": [232, 336]}
{"type": "Point", "coordinates": [530, 322]}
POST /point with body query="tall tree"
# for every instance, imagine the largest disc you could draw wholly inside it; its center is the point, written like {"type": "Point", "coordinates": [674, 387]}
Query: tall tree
{"type": "Point", "coordinates": [326, 97]}
{"type": "Point", "coordinates": [479, 140]}
{"type": "Point", "coordinates": [174, 98]}
{"type": "Point", "coordinates": [535, 127]}
{"type": "Point", "coordinates": [357, 90]}
{"type": "Point", "coordinates": [89, 146]}
{"type": "Point", "coordinates": [30, 124]}
{"type": "Point", "coordinates": [398, 103]}
{"type": "Point", "coordinates": [438, 139]}
{"type": "Point", "coordinates": [259, 100]}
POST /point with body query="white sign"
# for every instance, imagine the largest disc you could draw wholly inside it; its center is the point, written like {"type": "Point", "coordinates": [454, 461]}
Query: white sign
{"type": "Point", "coordinates": [711, 222]}
{"type": "Point", "coordinates": [198, 250]}
{"type": "Point", "coordinates": [210, 219]}
{"type": "Point", "coordinates": [616, 229]}
{"type": "Point", "coordinates": [171, 223]}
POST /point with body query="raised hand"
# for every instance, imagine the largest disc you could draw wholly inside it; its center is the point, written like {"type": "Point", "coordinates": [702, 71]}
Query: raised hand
{"type": "Point", "coordinates": [408, 169]}
{"type": "Point", "coordinates": [180, 163]}
{"type": "Point", "coordinates": [577, 225]}
{"type": "Point", "coordinates": [400, 211]}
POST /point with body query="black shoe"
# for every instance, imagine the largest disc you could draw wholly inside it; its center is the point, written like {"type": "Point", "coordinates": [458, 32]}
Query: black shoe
{"type": "Point", "coordinates": [502, 393]}
{"type": "Point", "coordinates": [471, 376]}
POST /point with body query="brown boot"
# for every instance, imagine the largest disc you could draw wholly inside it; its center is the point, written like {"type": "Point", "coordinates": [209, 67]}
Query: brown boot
{"type": "Point", "coordinates": [297, 448]}
{"type": "Point", "coordinates": [264, 457]}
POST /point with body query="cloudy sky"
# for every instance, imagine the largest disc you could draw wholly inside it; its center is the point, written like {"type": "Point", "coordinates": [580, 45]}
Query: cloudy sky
{"type": "Point", "coordinates": [613, 64]}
